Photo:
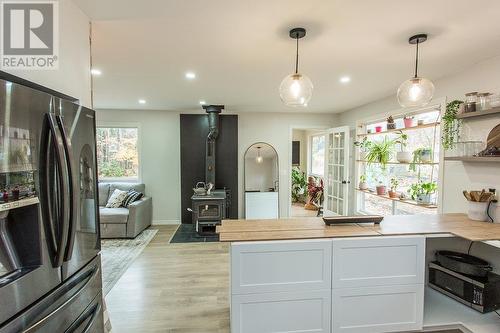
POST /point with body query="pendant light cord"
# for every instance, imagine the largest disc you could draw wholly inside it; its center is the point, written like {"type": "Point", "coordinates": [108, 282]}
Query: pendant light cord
{"type": "Point", "coordinates": [416, 62]}
{"type": "Point", "coordinates": [297, 55]}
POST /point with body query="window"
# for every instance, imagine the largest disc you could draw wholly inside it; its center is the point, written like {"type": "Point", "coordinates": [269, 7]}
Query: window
{"type": "Point", "coordinates": [117, 152]}
{"type": "Point", "coordinates": [318, 155]}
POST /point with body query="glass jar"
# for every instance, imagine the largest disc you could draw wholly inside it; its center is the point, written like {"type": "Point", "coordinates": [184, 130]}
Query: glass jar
{"type": "Point", "coordinates": [470, 102]}
{"type": "Point", "coordinates": [495, 100]}
{"type": "Point", "coordinates": [483, 101]}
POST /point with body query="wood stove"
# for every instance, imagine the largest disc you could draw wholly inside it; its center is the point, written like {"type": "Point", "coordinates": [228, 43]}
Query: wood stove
{"type": "Point", "coordinates": [209, 210]}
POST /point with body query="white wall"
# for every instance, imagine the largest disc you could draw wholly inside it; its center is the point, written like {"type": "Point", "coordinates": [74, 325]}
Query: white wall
{"type": "Point", "coordinates": [260, 176]}
{"type": "Point", "coordinates": [458, 176]}
{"type": "Point", "coordinates": [73, 75]}
{"type": "Point", "coordinates": [159, 157]}
{"type": "Point", "coordinates": [160, 151]}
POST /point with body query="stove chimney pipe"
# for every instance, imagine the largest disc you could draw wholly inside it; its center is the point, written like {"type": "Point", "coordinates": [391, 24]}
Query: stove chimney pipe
{"type": "Point", "coordinates": [213, 112]}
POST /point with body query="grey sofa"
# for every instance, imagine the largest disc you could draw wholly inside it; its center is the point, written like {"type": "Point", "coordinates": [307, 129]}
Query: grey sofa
{"type": "Point", "coordinates": [124, 222]}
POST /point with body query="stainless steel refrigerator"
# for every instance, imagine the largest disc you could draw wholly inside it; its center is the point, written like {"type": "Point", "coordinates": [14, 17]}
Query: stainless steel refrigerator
{"type": "Point", "coordinates": [50, 269]}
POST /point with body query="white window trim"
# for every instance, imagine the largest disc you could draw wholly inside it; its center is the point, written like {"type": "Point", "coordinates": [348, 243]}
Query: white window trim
{"type": "Point", "coordinates": [309, 154]}
{"type": "Point", "coordinates": [119, 124]}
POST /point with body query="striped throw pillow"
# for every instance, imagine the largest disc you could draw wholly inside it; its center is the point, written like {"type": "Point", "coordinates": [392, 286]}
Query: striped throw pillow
{"type": "Point", "coordinates": [132, 195]}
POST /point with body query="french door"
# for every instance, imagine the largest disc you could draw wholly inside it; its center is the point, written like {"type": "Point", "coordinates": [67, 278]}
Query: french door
{"type": "Point", "coordinates": [336, 180]}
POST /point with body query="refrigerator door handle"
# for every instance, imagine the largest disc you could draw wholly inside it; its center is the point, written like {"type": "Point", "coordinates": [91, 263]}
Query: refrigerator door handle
{"type": "Point", "coordinates": [85, 279]}
{"type": "Point", "coordinates": [92, 314]}
{"type": "Point", "coordinates": [70, 208]}
{"type": "Point", "coordinates": [62, 218]}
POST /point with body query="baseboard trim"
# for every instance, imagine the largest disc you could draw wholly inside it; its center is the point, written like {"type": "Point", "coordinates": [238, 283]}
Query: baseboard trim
{"type": "Point", "coordinates": [166, 222]}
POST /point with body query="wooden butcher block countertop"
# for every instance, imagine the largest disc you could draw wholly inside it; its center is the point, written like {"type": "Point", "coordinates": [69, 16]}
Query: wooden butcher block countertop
{"type": "Point", "coordinates": [304, 228]}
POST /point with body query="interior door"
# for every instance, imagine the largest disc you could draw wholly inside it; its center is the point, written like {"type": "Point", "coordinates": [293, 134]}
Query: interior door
{"type": "Point", "coordinates": [79, 130]}
{"type": "Point", "coordinates": [336, 171]}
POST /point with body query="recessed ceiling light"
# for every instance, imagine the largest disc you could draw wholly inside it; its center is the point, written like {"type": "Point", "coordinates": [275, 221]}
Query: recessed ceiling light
{"type": "Point", "coordinates": [203, 102]}
{"type": "Point", "coordinates": [142, 101]}
{"type": "Point", "coordinates": [345, 79]}
{"type": "Point", "coordinates": [190, 75]}
{"type": "Point", "coordinates": [95, 71]}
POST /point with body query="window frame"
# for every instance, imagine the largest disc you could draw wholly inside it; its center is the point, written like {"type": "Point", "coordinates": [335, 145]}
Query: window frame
{"type": "Point", "coordinates": [119, 124]}
{"type": "Point", "coordinates": [310, 154]}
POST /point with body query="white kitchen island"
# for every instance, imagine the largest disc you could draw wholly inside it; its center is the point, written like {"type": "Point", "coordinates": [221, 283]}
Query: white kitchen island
{"type": "Point", "coordinates": [350, 278]}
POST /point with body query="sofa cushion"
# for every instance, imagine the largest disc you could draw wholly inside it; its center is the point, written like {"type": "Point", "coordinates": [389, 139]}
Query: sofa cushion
{"type": "Point", "coordinates": [113, 215]}
{"type": "Point", "coordinates": [127, 186]}
{"type": "Point", "coordinates": [103, 193]}
{"type": "Point", "coordinates": [116, 199]}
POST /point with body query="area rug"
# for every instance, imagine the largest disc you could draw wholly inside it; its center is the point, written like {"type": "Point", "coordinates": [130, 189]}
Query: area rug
{"type": "Point", "coordinates": [118, 254]}
{"type": "Point", "coordinates": [186, 233]}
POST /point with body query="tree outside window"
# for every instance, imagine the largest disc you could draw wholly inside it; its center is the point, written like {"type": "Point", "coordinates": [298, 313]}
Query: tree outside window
{"type": "Point", "coordinates": [117, 152]}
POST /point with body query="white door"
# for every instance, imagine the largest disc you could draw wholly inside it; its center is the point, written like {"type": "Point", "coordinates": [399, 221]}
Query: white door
{"type": "Point", "coordinates": [336, 180]}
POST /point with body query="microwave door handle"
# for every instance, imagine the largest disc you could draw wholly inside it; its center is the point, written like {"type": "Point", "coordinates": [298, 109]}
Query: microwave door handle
{"type": "Point", "coordinates": [63, 193]}
{"type": "Point", "coordinates": [70, 205]}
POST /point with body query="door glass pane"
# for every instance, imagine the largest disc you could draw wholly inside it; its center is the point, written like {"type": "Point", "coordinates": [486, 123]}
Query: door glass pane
{"type": "Point", "coordinates": [341, 207]}
{"type": "Point", "coordinates": [341, 191]}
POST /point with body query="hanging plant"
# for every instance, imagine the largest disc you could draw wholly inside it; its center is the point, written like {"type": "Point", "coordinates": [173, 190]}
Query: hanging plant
{"type": "Point", "coordinates": [451, 125]}
{"type": "Point", "coordinates": [381, 152]}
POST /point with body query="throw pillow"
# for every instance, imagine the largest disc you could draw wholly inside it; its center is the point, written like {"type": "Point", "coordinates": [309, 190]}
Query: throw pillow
{"type": "Point", "coordinates": [116, 199]}
{"type": "Point", "coordinates": [132, 196]}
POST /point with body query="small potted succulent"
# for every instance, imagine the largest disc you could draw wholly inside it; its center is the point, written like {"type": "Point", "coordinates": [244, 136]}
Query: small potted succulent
{"type": "Point", "coordinates": [381, 188]}
{"type": "Point", "coordinates": [394, 186]}
{"type": "Point", "coordinates": [422, 192]}
{"type": "Point", "coordinates": [403, 156]}
{"type": "Point", "coordinates": [408, 120]}
{"type": "Point", "coordinates": [391, 125]}
{"type": "Point", "coordinates": [363, 185]}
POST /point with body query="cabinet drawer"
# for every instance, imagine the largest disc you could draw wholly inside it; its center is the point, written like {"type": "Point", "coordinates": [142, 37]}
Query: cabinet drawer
{"type": "Point", "coordinates": [377, 309]}
{"type": "Point", "coordinates": [363, 262]}
{"type": "Point", "coordinates": [297, 312]}
{"type": "Point", "coordinates": [278, 266]}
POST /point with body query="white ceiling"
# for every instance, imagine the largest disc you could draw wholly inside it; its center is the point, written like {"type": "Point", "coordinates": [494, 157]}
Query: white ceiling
{"type": "Point", "coordinates": [240, 49]}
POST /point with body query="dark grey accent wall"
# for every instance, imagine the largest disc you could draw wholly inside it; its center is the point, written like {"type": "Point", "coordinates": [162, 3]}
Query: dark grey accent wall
{"type": "Point", "coordinates": [194, 130]}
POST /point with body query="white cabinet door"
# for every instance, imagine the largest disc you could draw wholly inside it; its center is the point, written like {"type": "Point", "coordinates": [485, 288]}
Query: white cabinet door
{"type": "Point", "coordinates": [377, 309]}
{"type": "Point", "coordinates": [297, 312]}
{"type": "Point", "coordinates": [261, 205]}
{"type": "Point", "coordinates": [363, 262]}
{"type": "Point", "coordinates": [276, 266]}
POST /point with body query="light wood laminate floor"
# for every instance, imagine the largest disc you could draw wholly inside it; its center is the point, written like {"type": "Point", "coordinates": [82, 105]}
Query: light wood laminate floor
{"type": "Point", "coordinates": [173, 288]}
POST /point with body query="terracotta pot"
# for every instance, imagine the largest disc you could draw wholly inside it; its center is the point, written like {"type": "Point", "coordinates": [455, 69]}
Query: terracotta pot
{"type": "Point", "coordinates": [393, 194]}
{"type": "Point", "coordinates": [408, 122]}
{"type": "Point", "coordinates": [381, 190]}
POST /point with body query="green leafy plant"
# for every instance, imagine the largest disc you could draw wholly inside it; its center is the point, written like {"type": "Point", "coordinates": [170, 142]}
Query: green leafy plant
{"type": "Point", "coordinates": [364, 144]}
{"type": "Point", "coordinates": [451, 125]}
{"type": "Point", "coordinates": [362, 178]}
{"type": "Point", "coordinates": [422, 189]}
{"type": "Point", "coordinates": [401, 139]}
{"type": "Point", "coordinates": [381, 152]}
{"type": "Point", "coordinates": [394, 184]}
{"type": "Point", "coordinates": [299, 185]}
{"type": "Point", "coordinates": [417, 157]}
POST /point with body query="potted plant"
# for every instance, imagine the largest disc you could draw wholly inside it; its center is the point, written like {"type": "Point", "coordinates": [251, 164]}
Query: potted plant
{"type": "Point", "coordinates": [381, 188]}
{"type": "Point", "coordinates": [402, 156]}
{"type": "Point", "coordinates": [422, 192]}
{"type": "Point", "coordinates": [451, 125]}
{"type": "Point", "coordinates": [380, 152]}
{"type": "Point", "coordinates": [315, 193]}
{"type": "Point", "coordinates": [364, 146]}
{"type": "Point", "coordinates": [299, 185]}
{"type": "Point", "coordinates": [408, 120]}
{"type": "Point", "coordinates": [394, 186]}
{"type": "Point", "coordinates": [421, 155]}
{"type": "Point", "coordinates": [391, 125]}
{"type": "Point", "coordinates": [363, 185]}
{"type": "Point", "coordinates": [378, 129]}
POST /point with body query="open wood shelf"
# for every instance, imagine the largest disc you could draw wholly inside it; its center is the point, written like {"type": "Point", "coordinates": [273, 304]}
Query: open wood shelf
{"type": "Point", "coordinates": [396, 163]}
{"type": "Point", "coordinates": [474, 158]}
{"type": "Point", "coordinates": [401, 129]}
{"type": "Point", "coordinates": [479, 113]}
{"type": "Point", "coordinates": [409, 202]}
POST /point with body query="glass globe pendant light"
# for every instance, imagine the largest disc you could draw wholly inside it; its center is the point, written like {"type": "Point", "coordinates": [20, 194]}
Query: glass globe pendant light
{"type": "Point", "coordinates": [296, 89]}
{"type": "Point", "coordinates": [259, 158]}
{"type": "Point", "coordinates": [417, 91]}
